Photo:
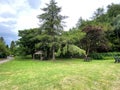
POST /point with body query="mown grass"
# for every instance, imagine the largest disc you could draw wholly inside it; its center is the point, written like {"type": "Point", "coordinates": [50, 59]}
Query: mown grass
{"type": "Point", "coordinates": [73, 74]}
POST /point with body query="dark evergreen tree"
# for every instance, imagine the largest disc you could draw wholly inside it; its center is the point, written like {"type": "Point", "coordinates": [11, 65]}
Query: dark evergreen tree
{"type": "Point", "coordinates": [52, 24]}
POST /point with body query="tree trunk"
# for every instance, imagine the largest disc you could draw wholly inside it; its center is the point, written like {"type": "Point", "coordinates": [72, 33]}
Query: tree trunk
{"type": "Point", "coordinates": [53, 57]}
{"type": "Point", "coordinates": [87, 52]}
{"type": "Point", "coordinates": [86, 56]}
{"type": "Point", "coordinates": [48, 53]}
{"type": "Point", "coordinates": [33, 56]}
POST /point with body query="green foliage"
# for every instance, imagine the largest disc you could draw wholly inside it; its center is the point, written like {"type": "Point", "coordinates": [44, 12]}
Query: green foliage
{"type": "Point", "coordinates": [110, 54]}
{"type": "Point", "coordinates": [98, 14]}
{"type": "Point", "coordinates": [109, 21]}
{"type": "Point", "coordinates": [114, 35]}
{"type": "Point", "coordinates": [27, 42]}
{"type": "Point", "coordinates": [113, 10]}
{"type": "Point", "coordinates": [65, 49]}
{"type": "Point", "coordinates": [51, 19]}
{"type": "Point", "coordinates": [4, 51]}
{"type": "Point", "coordinates": [96, 56]}
{"type": "Point", "coordinates": [58, 53]}
{"type": "Point", "coordinates": [72, 36]}
{"type": "Point", "coordinates": [116, 22]}
{"type": "Point", "coordinates": [100, 34]}
{"type": "Point", "coordinates": [81, 22]}
{"type": "Point", "coordinates": [71, 49]}
{"type": "Point", "coordinates": [51, 24]}
{"type": "Point", "coordinates": [94, 39]}
{"type": "Point", "coordinates": [12, 48]}
{"type": "Point", "coordinates": [76, 50]}
{"type": "Point", "coordinates": [105, 55]}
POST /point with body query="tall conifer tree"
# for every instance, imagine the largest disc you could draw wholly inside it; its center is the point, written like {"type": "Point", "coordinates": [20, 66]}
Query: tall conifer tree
{"type": "Point", "coordinates": [51, 23]}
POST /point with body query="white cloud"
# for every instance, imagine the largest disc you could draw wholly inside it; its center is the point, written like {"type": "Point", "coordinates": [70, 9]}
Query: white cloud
{"type": "Point", "coordinates": [27, 20]}
{"type": "Point", "coordinates": [81, 8]}
{"type": "Point", "coordinates": [5, 19]}
{"type": "Point", "coordinates": [75, 9]}
{"type": "Point", "coordinates": [6, 8]}
{"type": "Point", "coordinates": [26, 16]}
{"type": "Point", "coordinates": [16, 15]}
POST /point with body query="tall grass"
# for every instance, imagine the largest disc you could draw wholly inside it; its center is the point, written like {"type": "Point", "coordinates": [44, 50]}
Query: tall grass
{"type": "Point", "coordinates": [74, 74]}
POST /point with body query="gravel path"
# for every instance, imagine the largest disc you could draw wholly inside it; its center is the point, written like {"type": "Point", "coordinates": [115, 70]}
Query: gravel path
{"type": "Point", "coordinates": [6, 60]}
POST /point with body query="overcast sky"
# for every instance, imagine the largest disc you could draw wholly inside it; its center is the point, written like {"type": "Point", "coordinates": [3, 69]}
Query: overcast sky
{"type": "Point", "coordinates": [22, 14]}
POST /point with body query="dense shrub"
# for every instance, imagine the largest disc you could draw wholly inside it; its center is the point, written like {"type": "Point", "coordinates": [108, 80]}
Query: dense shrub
{"type": "Point", "coordinates": [97, 56]}
{"type": "Point", "coordinates": [3, 55]}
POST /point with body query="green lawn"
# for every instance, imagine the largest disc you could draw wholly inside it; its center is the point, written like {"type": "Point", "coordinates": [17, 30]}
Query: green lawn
{"type": "Point", "coordinates": [66, 74]}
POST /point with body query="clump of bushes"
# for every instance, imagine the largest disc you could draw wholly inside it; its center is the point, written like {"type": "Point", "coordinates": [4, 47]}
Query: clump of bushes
{"type": "Point", "coordinates": [3, 55]}
{"type": "Point", "coordinates": [100, 56]}
{"type": "Point", "coordinates": [97, 56]}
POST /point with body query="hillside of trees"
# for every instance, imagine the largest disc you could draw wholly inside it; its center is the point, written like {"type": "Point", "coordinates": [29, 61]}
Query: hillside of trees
{"type": "Point", "coordinates": [99, 34]}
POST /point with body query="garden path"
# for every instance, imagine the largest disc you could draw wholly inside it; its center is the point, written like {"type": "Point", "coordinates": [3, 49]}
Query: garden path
{"type": "Point", "coordinates": [6, 60]}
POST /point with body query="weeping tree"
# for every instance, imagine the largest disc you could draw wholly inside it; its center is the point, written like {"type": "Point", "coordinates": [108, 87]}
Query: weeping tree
{"type": "Point", "coordinates": [72, 49]}
{"type": "Point", "coordinates": [69, 44]}
{"type": "Point", "coordinates": [51, 23]}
